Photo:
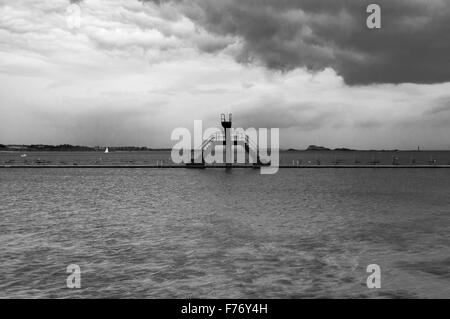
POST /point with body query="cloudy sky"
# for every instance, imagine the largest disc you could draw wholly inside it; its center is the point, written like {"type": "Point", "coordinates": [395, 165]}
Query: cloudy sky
{"type": "Point", "coordinates": [135, 70]}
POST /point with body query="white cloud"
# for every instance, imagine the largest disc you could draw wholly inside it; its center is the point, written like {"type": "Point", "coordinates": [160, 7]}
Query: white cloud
{"type": "Point", "coordinates": [134, 71]}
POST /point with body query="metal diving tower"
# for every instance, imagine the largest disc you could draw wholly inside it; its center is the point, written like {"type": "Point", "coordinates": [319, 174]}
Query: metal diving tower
{"type": "Point", "coordinates": [230, 141]}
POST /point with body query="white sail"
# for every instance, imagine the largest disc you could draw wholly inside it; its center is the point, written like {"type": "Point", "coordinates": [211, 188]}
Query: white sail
{"type": "Point", "coordinates": [106, 151]}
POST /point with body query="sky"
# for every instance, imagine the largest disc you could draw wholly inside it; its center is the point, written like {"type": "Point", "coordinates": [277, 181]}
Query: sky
{"type": "Point", "coordinates": [132, 71]}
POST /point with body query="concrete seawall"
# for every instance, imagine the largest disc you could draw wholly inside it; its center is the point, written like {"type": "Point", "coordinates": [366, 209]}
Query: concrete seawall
{"type": "Point", "coordinates": [223, 166]}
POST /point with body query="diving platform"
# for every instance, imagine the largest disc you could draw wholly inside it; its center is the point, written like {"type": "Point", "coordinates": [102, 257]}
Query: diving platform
{"type": "Point", "coordinates": [230, 142]}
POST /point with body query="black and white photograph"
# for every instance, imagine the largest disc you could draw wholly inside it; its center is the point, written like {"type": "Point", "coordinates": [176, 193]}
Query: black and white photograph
{"type": "Point", "coordinates": [212, 150]}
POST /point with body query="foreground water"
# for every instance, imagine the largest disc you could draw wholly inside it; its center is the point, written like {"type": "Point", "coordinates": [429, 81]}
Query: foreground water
{"type": "Point", "coordinates": [179, 233]}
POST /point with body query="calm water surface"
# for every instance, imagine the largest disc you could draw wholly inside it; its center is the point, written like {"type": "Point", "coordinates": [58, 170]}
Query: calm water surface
{"type": "Point", "coordinates": [213, 233]}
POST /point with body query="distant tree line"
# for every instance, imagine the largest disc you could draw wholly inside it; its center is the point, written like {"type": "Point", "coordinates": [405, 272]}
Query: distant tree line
{"type": "Point", "coordinates": [62, 147]}
{"type": "Point", "coordinates": [73, 148]}
{"type": "Point", "coordinates": [129, 148]}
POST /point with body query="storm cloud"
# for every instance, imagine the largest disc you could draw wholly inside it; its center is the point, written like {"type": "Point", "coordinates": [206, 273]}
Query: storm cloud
{"type": "Point", "coordinates": [412, 46]}
{"type": "Point", "coordinates": [135, 70]}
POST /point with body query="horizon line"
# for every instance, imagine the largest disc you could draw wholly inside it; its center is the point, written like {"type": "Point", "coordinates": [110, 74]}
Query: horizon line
{"type": "Point", "coordinates": [60, 147]}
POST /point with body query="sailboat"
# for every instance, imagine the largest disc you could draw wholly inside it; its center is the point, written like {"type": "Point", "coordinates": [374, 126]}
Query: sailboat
{"type": "Point", "coordinates": [106, 151]}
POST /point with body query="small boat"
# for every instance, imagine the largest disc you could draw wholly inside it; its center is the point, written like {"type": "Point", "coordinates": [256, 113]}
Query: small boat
{"type": "Point", "coordinates": [106, 151]}
{"type": "Point", "coordinates": [23, 155]}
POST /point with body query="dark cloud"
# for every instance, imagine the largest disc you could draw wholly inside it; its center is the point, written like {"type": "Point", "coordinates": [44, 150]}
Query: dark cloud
{"type": "Point", "coordinates": [413, 44]}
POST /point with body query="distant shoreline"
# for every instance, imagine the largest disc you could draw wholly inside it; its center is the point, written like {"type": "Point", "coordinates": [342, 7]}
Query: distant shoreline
{"type": "Point", "coordinates": [74, 148]}
{"type": "Point", "coordinates": [169, 150]}
{"type": "Point", "coordinates": [80, 148]}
